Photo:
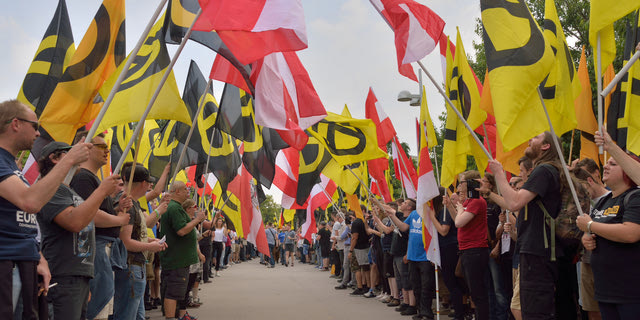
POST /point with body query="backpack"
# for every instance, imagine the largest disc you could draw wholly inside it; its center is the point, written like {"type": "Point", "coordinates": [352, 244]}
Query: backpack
{"type": "Point", "coordinates": [563, 227]}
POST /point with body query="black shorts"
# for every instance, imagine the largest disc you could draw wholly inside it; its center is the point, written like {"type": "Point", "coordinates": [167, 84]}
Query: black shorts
{"type": "Point", "coordinates": [288, 247]}
{"type": "Point", "coordinates": [174, 283]}
{"type": "Point", "coordinates": [387, 265]}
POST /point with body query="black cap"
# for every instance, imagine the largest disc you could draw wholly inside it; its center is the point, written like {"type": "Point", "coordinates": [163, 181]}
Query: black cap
{"type": "Point", "coordinates": [52, 147]}
{"type": "Point", "coordinates": [140, 174]}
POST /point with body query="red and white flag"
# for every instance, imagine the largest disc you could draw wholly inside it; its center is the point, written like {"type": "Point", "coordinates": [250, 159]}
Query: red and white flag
{"type": "Point", "coordinates": [285, 98]}
{"type": "Point", "coordinates": [317, 199]}
{"type": "Point", "coordinates": [427, 190]}
{"type": "Point", "coordinates": [252, 225]}
{"type": "Point", "coordinates": [417, 30]}
{"type": "Point", "coordinates": [252, 29]}
{"type": "Point", "coordinates": [405, 171]}
{"type": "Point", "coordinates": [286, 177]}
{"type": "Point", "coordinates": [384, 133]}
{"type": "Point", "coordinates": [31, 171]}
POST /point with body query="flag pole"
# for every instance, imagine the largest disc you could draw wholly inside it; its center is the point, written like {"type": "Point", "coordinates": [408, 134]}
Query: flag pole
{"type": "Point", "coordinates": [435, 157]}
{"type": "Point", "coordinates": [194, 122]}
{"type": "Point", "coordinates": [157, 92]}
{"type": "Point", "coordinates": [437, 292]}
{"type": "Point", "coordinates": [559, 150]}
{"type": "Point", "coordinates": [116, 87]}
{"type": "Point", "coordinates": [370, 193]}
{"type": "Point", "coordinates": [435, 84]}
{"type": "Point", "coordinates": [206, 168]}
{"type": "Point", "coordinates": [573, 131]}
{"type": "Point", "coordinates": [620, 74]}
{"type": "Point", "coordinates": [599, 84]}
{"type": "Point", "coordinates": [330, 198]}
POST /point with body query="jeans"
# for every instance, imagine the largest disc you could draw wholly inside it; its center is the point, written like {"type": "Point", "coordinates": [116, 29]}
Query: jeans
{"type": "Point", "coordinates": [101, 286]}
{"type": "Point", "coordinates": [475, 265]}
{"type": "Point", "coordinates": [271, 250]}
{"type": "Point", "coordinates": [422, 277]}
{"type": "Point", "coordinates": [346, 269]}
{"type": "Point", "coordinates": [341, 263]}
{"type": "Point", "coordinates": [282, 258]}
{"type": "Point", "coordinates": [218, 247]}
{"type": "Point", "coordinates": [499, 308]}
{"type": "Point", "coordinates": [129, 290]}
{"type": "Point", "coordinates": [68, 299]}
{"type": "Point", "coordinates": [208, 259]}
{"type": "Point", "coordinates": [616, 311]}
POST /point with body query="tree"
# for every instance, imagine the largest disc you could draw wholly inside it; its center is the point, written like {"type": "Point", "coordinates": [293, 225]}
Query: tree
{"type": "Point", "coordinates": [270, 209]}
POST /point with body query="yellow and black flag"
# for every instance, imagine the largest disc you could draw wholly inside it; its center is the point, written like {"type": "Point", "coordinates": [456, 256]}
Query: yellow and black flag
{"type": "Point", "coordinates": [557, 89]}
{"type": "Point", "coordinates": [313, 159]}
{"type": "Point", "coordinates": [180, 16]}
{"type": "Point", "coordinates": [51, 59]}
{"type": "Point", "coordinates": [465, 95]}
{"type": "Point", "coordinates": [141, 81]}
{"type": "Point", "coordinates": [518, 59]}
{"type": "Point", "coordinates": [602, 15]}
{"type": "Point", "coordinates": [632, 110]}
{"type": "Point", "coordinates": [348, 140]}
{"type": "Point", "coordinates": [101, 50]}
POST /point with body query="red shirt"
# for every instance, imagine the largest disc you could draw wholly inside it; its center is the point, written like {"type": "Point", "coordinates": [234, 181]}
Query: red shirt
{"type": "Point", "coordinates": [474, 233]}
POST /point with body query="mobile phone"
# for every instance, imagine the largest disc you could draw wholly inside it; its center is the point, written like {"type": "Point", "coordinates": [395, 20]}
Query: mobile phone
{"type": "Point", "coordinates": [471, 189]}
{"type": "Point", "coordinates": [163, 240]}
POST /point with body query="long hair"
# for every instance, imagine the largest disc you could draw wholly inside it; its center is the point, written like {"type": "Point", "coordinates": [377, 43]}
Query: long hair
{"type": "Point", "coordinates": [551, 157]}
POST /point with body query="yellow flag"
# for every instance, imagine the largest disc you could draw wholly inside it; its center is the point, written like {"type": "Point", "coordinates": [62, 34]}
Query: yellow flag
{"type": "Point", "coordinates": [51, 60]}
{"type": "Point", "coordinates": [602, 15]}
{"type": "Point", "coordinates": [231, 207]}
{"type": "Point", "coordinates": [342, 176]}
{"type": "Point", "coordinates": [346, 112]}
{"type": "Point", "coordinates": [458, 142]}
{"type": "Point", "coordinates": [354, 205]}
{"type": "Point", "coordinates": [71, 105]}
{"type": "Point", "coordinates": [518, 59]}
{"type": "Point", "coordinates": [425, 122]}
{"type": "Point", "coordinates": [143, 77]}
{"type": "Point", "coordinates": [557, 89]}
{"type": "Point", "coordinates": [347, 140]}
{"type": "Point", "coordinates": [631, 113]}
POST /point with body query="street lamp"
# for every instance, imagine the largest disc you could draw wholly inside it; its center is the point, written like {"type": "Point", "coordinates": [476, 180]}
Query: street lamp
{"type": "Point", "coordinates": [414, 99]}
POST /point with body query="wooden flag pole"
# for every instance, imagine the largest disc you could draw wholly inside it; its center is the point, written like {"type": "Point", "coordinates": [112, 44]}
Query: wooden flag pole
{"type": "Point", "coordinates": [435, 84]}
{"type": "Point", "coordinates": [370, 194]}
{"type": "Point", "coordinates": [194, 122]}
{"type": "Point", "coordinates": [556, 143]}
{"type": "Point", "coordinates": [116, 87]}
{"type": "Point", "coordinates": [135, 161]}
{"type": "Point", "coordinates": [599, 84]}
{"type": "Point", "coordinates": [620, 74]}
{"type": "Point", "coordinates": [156, 93]}
{"type": "Point", "coordinates": [435, 157]}
{"type": "Point", "coordinates": [573, 131]}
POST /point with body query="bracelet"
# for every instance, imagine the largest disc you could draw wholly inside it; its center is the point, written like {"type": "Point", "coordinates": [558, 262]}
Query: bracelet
{"type": "Point", "coordinates": [157, 213]}
{"type": "Point", "coordinates": [589, 226]}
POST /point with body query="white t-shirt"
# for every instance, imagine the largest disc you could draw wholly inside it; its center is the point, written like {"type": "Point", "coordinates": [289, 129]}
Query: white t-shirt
{"type": "Point", "coordinates": [338, 228]}
{"type": "Point", "coordinates": [218, 235]}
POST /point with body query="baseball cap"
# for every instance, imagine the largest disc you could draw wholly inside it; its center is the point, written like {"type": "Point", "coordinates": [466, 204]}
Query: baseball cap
{"type": "Point", "coordinates": [140, 174]}
{"type": "Point", "coordinates": [52, 147]}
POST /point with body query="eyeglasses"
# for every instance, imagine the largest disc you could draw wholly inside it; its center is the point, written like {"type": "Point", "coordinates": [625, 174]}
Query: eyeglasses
{"type": "Point", "coordinates": [34, 124]}
{"type": "Point", "coordinates": [101, 146]}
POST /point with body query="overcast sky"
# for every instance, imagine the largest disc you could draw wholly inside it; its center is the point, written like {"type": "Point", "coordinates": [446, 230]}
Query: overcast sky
{"type": "Point", "coordinates": [350, 49]}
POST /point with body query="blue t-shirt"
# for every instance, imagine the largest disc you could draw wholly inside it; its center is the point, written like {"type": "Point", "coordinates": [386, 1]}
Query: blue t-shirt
{"type": "Point", "coordinates": [281, 236]}
{"type": "Point", "coordinates": [415, 250]}
{"type": "Point", "coordinates": [18, 229]}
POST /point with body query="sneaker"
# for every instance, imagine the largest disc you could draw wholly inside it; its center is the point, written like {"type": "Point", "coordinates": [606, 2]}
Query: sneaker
{"type": "Point", "coordinates": [358, 292]}
{"type": "Point", "coordinates": [381, 296]}
{"type": "Point", "coordinates": [187, 316]}
{"type": "Point", "coordinates": [369, 294]}
{"type": "Point", "coordinates": [393, 303]}
{"type": "Point", "coordinates": [387, 299]}
{"type": "Point", "coordinates": [409, 311]}
{"type": "Point", "coordinates": [402, 307]}
{"type": "Point", "coordinates": [340, 287]}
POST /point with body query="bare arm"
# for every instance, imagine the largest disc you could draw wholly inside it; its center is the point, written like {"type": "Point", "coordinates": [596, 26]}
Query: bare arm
{"type": "Point", "coordinates": [106, 220]}
{"type": "Point", "coordinates": [401, 225]}
{"type": "Point", "coordinates": [31, 199]}
{"type": "Point", "coordinates": [75, 219]}
{"type": "Point", "coordinates": [513, 200]}
{"type": "Point", "coordinates": [159, 186]}
{"type": "Point", "coordinates": [443, 230]}
{"type": "Point", "coordinates": [138, 246]}
{"type": "Point", "coordinates": [629, 166]}
{"type": "Point", "coordinates": [192, 224]}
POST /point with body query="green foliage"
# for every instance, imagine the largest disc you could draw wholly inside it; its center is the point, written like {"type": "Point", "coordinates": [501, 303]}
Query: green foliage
{"type": "Point", "coordinates": [270, 210]}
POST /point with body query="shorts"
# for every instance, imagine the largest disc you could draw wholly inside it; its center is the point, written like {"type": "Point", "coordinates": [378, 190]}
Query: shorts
{"type": "Point", "coordinates": [149, 267]}
{"type": "Point", "coordinates": [353, 263]}
{"type": "Point", "coordinates": [387, 265]}
{"type": "Point", "coordinates": [515, 299]}
{"type": "Point", "coordinates": [174, 283]}
{"type": "Point", "coordinates": [401, 270]}
{"type": "Point", "coordinates": [362, 256]}
{"type": "Point", "coordinates": [288, 247]}
{"type": "Point", "coordinates": [587, 290]}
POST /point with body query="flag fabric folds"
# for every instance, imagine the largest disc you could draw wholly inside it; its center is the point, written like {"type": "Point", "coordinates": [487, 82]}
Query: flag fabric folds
{"type": "Point", "coordinates": [632, 110]}
{"type": "Point", "coordinates": [405, 171]}
{"type": "Point", "coordinates": [317, 199]}
{"type": "Point", "coordinates": [586, 119]}
{"type": "Point", "coordinates": [313, 159]}
{"type": "Point", "coordinates": [50, 61]}
{"type": "Point", "coordinates": [141, 81]}
{"type": "Point", "coordinates": [253, 29]}
{"type": "Point", "coordinates": [417, 29]}
{"type": "Point", "coordinates": [384, 132]}
{"type": "Point", "coordinates": [180, 16]}
{"type": "Point", "coordinates": [602, 15]}
{"type": "Point", "coordinates": [518, 59]}
{"type": "Point", "coordinates": [286, 175]}
{"type": "Point", "coordinates": [101, 50]}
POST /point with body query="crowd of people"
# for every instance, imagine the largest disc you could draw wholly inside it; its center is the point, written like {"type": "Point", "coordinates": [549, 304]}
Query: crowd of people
{"type": "Point", "coordinates": [112, 248]}
{"type": "Point", "coordinates": [100, 248]}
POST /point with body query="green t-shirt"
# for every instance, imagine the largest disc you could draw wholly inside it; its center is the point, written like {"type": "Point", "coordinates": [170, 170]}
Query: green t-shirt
{"type": "Point", "coordinates": [181, 251]}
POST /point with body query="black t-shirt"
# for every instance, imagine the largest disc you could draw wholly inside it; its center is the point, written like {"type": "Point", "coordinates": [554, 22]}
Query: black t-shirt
{"type": "Point", "coordinates": [135, 220]}
{"type": "Point", "coordinates": [544, 182]}
{"type": "Point", "coordinates": [615, 265]}
{"type": "Point", "coordinates": [325, 237]}
{"type": "Point", "coordinates": [452, 236]}
{"type": "Point", "coordinates": [68, 253]}
{"type": "Point", "coordinates": [493, 218]}
{"type": "Point", "coordinates": [400, 240]}
{"type": "Point", "coordinates": [363, 239]}
{"type": "Point", "coordinates": [84, 183]}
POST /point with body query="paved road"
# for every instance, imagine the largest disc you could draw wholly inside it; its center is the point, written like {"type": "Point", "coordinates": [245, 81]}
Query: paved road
{"type": "Point", "coordinates": [251, 291]}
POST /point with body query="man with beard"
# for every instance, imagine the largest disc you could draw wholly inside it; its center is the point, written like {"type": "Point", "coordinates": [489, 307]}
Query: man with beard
{"type": "Point", "coordinates": [18, 204]}
{"type": "Point", "coordinates": [542, 190]}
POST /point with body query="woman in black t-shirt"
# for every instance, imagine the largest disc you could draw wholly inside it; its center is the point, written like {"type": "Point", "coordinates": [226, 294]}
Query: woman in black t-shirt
{"type": "Point", "coordinates": [612, 233]}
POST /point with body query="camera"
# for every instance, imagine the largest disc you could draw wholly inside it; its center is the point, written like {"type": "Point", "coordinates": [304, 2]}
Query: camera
{"type": "Point", "coordinates": [471, 189]}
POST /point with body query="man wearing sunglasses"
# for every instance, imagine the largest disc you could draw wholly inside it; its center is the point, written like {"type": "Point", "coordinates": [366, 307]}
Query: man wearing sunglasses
{"type": "Point", "coordinates": [19, 202]}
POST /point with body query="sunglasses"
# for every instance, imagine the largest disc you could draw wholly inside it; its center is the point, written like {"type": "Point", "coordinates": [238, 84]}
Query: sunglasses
{"type": "Point", "coordinates": [34, 124]}
{"type": "Point", "coordinates": [101, 146]}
